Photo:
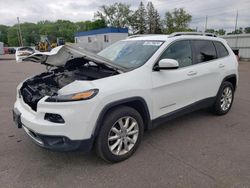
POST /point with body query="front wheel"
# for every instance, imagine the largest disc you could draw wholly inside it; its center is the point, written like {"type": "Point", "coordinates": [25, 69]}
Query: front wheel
{"type": "Point", "coordinates": [120, 134]}
{"type": "Point", "coordinates": [224, 99]}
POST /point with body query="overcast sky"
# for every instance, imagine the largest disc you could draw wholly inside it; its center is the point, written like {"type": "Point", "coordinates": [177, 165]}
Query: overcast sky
{"type": "Point", "coordinates": [221, 13]}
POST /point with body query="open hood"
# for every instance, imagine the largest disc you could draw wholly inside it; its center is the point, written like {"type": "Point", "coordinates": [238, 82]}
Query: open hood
{"type": "Point", "coordinates": [60, 55]}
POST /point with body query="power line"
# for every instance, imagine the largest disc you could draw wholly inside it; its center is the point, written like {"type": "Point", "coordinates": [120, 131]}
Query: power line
{"type": "Point", "coordinates": [220, 13]}
{"type": "Point", "coordinates": [207, 11]}
{"type": "Point", "coordinates": [221, 8]}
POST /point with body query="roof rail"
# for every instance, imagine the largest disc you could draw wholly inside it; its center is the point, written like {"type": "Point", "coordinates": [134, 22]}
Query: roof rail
{"type": "Point", "coordinates": [141, 35]}
{"type": "Point", "coordinates": [134, 36]}
{"type": "Point", "coordinates": [192, 33]}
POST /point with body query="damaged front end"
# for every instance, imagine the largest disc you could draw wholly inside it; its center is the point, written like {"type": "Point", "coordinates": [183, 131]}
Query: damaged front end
{"type": "Point", "coordinates": [50, 82]}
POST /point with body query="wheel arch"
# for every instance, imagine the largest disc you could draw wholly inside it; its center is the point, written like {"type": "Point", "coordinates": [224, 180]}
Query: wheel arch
{"type": "Point", "coordinates": [138, 103]}
{"type": "Point", "coordinates": [232, 79]}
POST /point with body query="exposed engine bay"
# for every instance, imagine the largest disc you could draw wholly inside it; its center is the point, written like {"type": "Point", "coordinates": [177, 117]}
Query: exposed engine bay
{"type": "Point", "coordinates": [48, 83]}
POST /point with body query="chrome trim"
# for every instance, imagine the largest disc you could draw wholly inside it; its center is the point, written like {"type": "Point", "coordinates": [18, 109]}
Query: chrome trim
{"type": "Point", "coordinates": [37, 140]}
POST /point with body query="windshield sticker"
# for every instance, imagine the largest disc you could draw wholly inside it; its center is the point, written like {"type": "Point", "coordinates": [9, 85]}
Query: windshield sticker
{"type": "Point", "coordinates": [152, 43]}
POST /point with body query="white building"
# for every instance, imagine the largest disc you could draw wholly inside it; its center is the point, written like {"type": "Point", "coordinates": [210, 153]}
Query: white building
{"type": "Point", "coordinates": [98, 39]}
{"type": "Point", "coordinates": [241, 42]}
{"type": "Point", "coordinates": [1, 48]}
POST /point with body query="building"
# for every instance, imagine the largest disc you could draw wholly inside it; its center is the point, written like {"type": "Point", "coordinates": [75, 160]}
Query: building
{"type": "Point", "coordinates": [241, 42]}
{"type": "Point", "coordinates": [1, 48]}
{"type": "Point", "coordinates": [98, 39]}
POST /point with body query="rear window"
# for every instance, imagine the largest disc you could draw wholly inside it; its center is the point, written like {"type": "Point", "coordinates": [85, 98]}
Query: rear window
{"type": "Point", "coordinates": [204, 51]}
{"type": "Point", "coordinates": [221, 49]}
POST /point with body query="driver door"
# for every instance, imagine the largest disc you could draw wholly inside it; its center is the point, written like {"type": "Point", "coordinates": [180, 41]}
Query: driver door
{"type": "Point", "coordinates": [175, 88]}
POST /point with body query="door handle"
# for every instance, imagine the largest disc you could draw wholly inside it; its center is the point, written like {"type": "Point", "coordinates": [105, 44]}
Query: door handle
{"type": "Point", "coordinates": [191, 73]}
{"type": "Point", "coordinates": [221, 65]}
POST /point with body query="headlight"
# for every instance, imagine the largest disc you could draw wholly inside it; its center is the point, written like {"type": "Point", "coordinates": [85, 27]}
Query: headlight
{"type": "Point", "coordinates": [85, 95]}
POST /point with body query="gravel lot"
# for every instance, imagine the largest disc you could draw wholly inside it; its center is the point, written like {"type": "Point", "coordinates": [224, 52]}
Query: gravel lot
{"type": "Point", "coordinates": [196, 150]}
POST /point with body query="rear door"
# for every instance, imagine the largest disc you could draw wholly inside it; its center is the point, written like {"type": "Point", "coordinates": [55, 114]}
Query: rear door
{"type": "Point", "coordinates": [209, 66]}
{"type": "Point", "coordinates": [223, 63]}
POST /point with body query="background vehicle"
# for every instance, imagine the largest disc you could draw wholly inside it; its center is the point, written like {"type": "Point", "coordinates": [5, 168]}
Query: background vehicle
{"type": "Point", "coordinates": [46, 43]}
{"type": "Point", "coordinates": [108, 100]}
{"type": "Point", "coordinates": [236, 52]}
{"type": "Point", "coordinates": [12, 50]}
{"type": "Point", "coordinates": [6, 50]}
{"type": "Point", "coordinates": [23, 52]}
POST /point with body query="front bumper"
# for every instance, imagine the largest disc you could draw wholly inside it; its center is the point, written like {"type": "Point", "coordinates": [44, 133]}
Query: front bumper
{"type": "Point", "coordinates": [55, 143]}
{"type": "Point", "coordinates": [59, 143]}
{"type": "Point", "coordinates": [75, 133]}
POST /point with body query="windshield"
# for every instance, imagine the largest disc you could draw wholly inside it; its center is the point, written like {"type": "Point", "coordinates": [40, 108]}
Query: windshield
{"type": "Point", "coordinates": [130, 54]}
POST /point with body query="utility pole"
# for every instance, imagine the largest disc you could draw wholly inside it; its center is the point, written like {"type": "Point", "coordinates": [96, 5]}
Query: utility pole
{"type": "Point", "coordinates": [18, 37]}
{"type": "Point", "coordinates": [206, 24]}
{"type": "Point", "coordinates": [20, 33]}
{"type": "Point", "coordinates": [236, 22]}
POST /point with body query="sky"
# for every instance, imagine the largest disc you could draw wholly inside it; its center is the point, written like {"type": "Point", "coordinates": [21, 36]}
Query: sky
{"type": "Point", "coordinates": [220, 13]}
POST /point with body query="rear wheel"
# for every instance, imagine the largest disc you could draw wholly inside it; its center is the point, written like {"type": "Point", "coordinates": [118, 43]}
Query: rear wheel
{"type": "Point", "coordinates": [120, 134]}
{"type": "Point", "coordinates": [224, 99]}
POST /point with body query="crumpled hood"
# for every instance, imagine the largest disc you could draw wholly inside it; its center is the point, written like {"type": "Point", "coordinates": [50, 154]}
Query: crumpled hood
{"type": "Point", "coordinates": [56, 57]}
{"type": "Point", "coordinates": [60, 55]}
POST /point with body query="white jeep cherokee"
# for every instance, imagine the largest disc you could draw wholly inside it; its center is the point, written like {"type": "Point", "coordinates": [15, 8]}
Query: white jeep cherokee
{"type": "Point", "coordinates": [108, 100]}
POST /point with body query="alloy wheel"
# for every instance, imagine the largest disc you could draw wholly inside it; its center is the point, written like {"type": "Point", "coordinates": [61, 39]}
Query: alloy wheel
{"type": "Point", "coordinates": [123, 135]}
{"type": "Point", "coordinates": [226, 98]}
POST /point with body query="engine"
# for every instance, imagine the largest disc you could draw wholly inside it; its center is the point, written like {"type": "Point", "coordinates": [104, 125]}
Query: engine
{"type": "Point", "coordinates": [48, 83]}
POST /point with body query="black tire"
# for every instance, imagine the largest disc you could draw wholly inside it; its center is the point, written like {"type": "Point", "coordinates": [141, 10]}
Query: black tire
{"type": "Point", "coordinates": [102, 144]}
{"type": "Point", "coordinates": [217, 108]}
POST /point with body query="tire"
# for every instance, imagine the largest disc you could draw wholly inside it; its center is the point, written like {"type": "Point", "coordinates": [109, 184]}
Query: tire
{"type": "Point", "coordinates": [218, 108]}
{"type": "Point", "coordinates": [113, 136]}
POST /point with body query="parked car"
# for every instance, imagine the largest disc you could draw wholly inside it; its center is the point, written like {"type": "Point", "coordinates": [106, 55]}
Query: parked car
{"type": "Point", "coordinates": [108, 100]}
{"type": "Point", "coordinates": [6, 50]}
{"type": "Point", "coordinates": [12, 50]}
{"type": "Point", "coordinates": [23, 52]}
{"type": "Point", "coordinates": [236, 52]}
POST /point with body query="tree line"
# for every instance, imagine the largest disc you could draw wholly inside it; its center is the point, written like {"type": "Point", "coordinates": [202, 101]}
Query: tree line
{"type": "Point", "coordinates": [31, 32]}
{"type": "Point", "coordinates": [144, 20]}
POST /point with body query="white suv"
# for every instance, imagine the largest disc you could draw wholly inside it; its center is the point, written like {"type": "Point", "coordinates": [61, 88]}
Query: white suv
{"type": "Point", "coordinates": [108, 100]}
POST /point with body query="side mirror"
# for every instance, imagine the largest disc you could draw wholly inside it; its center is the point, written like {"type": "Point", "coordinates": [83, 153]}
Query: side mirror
{"type": "Point", "coordinates": [165, 64]}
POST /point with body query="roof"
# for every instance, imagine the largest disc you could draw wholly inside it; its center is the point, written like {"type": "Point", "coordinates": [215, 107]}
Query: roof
{"type": "Point", "coordinates": [102, 31]}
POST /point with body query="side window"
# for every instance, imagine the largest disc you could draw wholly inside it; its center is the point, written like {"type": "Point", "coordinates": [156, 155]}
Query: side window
{"type": "Point", "coordinates": [204, 51]}
{"type": "Point", "coordinates": [106, 38]}
{"type": "Point", "coordinates": [221, 49]}
{"type": "Point", "coordinates": [89, 39]}
{"type": "Point", "coordinates": [180, 51]}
